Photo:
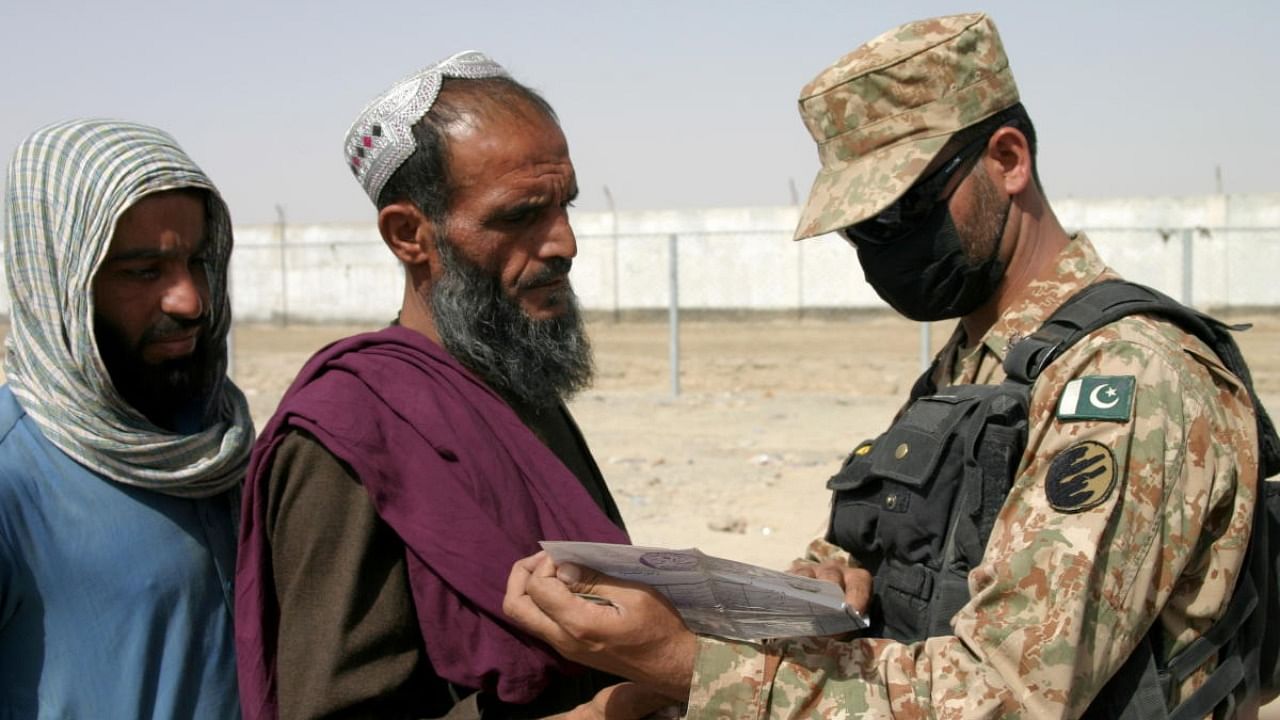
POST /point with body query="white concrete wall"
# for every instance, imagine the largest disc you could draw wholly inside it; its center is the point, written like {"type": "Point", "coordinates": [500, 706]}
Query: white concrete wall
{"type": "Point", "coordinates": [744, 259]}
{"type": "Point", "coordinates": [332, 273]}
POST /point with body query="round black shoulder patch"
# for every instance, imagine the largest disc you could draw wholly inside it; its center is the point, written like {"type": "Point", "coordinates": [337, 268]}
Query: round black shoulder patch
{"type": "Point", "coordinates": [1080, 477]}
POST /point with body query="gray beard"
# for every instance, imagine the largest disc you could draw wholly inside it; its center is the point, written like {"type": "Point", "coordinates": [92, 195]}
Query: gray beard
{"type": "Point", "coordinates": [534, 363]}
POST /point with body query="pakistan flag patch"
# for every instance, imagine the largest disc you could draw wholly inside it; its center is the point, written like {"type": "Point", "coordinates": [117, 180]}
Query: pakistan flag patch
{"type": "Point", "coordinates": [1097, 397]}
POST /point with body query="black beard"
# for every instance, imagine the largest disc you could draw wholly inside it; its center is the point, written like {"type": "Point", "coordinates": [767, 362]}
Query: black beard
{"type": "Point", "coordinates": [168, 393]}
{"type": "Point", "coordinates": [981, 235]}
{"type": "Point", "coordinates": [530, 362]}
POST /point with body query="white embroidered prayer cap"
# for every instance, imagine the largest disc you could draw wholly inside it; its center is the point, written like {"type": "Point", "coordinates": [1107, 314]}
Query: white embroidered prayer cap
{"type": "Point", "coordinates": [381, 138]}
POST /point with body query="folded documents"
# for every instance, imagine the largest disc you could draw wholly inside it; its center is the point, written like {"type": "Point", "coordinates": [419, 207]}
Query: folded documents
{"type": "Point", "coordinates": [722, 597]}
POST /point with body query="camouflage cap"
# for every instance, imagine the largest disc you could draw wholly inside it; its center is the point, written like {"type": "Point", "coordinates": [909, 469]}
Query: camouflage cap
{"type": "Point", "coordinates": [881, 113]}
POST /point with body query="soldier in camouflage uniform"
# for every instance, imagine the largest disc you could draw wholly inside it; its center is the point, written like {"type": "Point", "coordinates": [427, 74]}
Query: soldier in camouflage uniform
{"type": "Point", "coordinates": [1132, 503]}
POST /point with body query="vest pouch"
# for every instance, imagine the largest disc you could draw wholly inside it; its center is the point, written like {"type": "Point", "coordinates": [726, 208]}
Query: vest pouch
{"type": "Point", "coordinates": [893, 497]}
{"type": "Point", "coordinates": [903, 593]}
{"type": "Point", "coordinates": [856, 499]}
{"type": "Point", "coordinates": [916, 603]}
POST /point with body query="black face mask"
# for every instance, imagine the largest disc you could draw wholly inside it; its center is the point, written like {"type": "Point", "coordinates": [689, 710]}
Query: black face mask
{"type": "Point", "coordinates": [926, 275]}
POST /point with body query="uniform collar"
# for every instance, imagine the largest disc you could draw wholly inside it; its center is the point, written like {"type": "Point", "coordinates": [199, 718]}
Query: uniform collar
{"type": "Point", "coordinates": [1078, 266]}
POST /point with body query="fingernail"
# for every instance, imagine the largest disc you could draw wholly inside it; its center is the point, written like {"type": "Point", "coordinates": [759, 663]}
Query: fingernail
{"type": "Point", "coordinates": [568, 574]}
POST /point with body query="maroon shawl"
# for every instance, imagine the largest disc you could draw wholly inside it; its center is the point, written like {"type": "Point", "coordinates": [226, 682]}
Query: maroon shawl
{"type": "Point", "coordinates": [455, 473]}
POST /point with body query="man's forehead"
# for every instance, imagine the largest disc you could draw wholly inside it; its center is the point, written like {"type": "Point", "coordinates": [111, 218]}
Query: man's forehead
{"type": "Point", "coordinates": [521, 155]}
{"type": "Point", "coordinates": [540, 183]}
{"type": "Point", "coordinates": [180, 210]}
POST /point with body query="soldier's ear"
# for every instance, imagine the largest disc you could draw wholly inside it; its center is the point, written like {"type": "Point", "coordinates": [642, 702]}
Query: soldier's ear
{"type": "Point", "coordinates": [410, 235]}
{"type": "Point", "coordinates": [1009, 160]}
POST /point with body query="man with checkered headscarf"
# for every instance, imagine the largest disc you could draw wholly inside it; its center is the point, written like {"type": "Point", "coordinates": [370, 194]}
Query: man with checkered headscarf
{"type": "Point", "coordinates": [407, 468]}
{"type": "Point", "coordinates": [1079, 560]}
{"type": "Point", "coordinates": [122, 443]}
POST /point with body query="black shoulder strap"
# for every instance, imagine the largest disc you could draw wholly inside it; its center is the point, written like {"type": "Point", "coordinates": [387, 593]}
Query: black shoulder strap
{"type": "Point", "coordinates": [1105, 302]}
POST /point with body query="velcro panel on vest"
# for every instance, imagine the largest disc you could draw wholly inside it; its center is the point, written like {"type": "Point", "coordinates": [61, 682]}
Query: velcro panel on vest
{"type": "Point", "coordinates": [910, 452]}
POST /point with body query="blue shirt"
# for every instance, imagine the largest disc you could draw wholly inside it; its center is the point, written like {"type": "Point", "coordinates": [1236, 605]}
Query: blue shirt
{"type": "Point", "coordinates": [115, 602]}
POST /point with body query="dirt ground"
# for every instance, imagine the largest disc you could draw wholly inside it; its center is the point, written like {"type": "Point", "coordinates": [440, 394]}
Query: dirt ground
{"type": "Point", "coordinates": [736, 464]}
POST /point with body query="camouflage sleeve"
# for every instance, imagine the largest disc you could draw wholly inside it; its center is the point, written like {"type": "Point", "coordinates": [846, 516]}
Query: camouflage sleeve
{"type": "Point", "coordinates": [819, 550]}
{"type": "Point", "coordinates": [1111, 524]}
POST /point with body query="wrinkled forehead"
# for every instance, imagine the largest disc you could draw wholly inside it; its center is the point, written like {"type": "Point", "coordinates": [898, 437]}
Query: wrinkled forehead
{"type": "Point", "coordinates": [503, 150]}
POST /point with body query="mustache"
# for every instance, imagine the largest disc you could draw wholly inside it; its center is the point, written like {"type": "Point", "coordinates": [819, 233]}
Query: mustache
{"type": "Point", "coordinates": [171, 327]}
{"type": "Point", "coordinates": [556, 269]}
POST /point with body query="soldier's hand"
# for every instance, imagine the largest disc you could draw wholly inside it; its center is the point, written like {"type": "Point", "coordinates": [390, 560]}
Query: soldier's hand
{"type": "Point", "coordinates": [855, 581]}
{"type": "Point", "coordinates": [637, 635]}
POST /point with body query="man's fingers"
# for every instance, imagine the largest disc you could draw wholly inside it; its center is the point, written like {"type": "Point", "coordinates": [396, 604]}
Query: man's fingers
{"type": "Point", "coordinates": [579, 579]}
{"type": "Point", "coordinates": [518, 579]}
{"type": "Point", "coordinates": [857, 588]}
{"type": "Point", "coordinates": [524, 612]}
{"type": "Point", "coordinates": [531, 579]}
{"type": "Point", "coordinates": [831, 574]}
{"type": "Point", "coordinates": [533, 561]}
{"type": "Point", "coordinates": [803, 568]}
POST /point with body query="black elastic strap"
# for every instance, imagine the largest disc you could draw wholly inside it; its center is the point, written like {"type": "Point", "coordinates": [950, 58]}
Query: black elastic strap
{"type": "Point", "coordinates": [1218, 688]}
{"type": "Point", "coordinates": [1135, 690]}
{"type": "Point", "coordinates": [1243, 600]}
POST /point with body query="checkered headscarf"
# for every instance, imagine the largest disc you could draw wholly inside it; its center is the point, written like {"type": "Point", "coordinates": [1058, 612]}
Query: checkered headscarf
{"type": "Point", "coordinates": [68, 184]}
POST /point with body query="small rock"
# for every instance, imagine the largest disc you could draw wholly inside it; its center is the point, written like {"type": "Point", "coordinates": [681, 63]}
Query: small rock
{"type": "Point", "coordinates": [737, 525]}
{"type": "Point", "coordinates": [616, 460]}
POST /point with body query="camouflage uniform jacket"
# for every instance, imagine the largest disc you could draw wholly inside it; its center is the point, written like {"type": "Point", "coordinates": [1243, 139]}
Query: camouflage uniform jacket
{"type": "Point", "coordinates": [1060, 598]}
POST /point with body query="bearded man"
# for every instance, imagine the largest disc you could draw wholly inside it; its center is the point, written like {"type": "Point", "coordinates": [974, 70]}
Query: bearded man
{"type": "Point", "coordinates": [122, 443]}
{"type": "Point", "coordinates": [406, 469]}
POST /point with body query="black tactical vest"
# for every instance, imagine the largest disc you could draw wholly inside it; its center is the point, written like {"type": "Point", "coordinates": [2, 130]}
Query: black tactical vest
{"type": "Point", "coordinates": [917, 504]}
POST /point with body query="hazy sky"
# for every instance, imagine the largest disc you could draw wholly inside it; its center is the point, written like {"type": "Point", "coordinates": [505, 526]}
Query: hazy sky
{"type": "Point", "coordinates": [669, 104]}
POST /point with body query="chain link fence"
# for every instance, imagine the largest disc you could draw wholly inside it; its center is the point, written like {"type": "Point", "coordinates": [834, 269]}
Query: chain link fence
{"type": "Point", "coordinates": [320, 274]}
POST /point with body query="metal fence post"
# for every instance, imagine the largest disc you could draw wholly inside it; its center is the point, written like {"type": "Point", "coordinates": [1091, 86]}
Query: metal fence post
{"type": "Point", "coordinates": [799, 279]}
{"type": "Point", "coordinates": [284, 269]}
{"type": "Point", "coordinates": [231, 329]}
{"type": "Point", "coordinates": [617, 281]}
{"type": "Point", "coordinates": [1186, 266]}
{"type": "Point", "coordinates": [926, 337]}
{"type": "Point", "coordinates": [673, 313]}
{"type": "Point", "coordinates": [617, 264]}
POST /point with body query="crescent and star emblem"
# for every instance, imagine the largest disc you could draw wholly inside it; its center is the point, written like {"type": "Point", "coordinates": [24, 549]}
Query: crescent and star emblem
{"type": "Point", "coordinates": [1099, 402]}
